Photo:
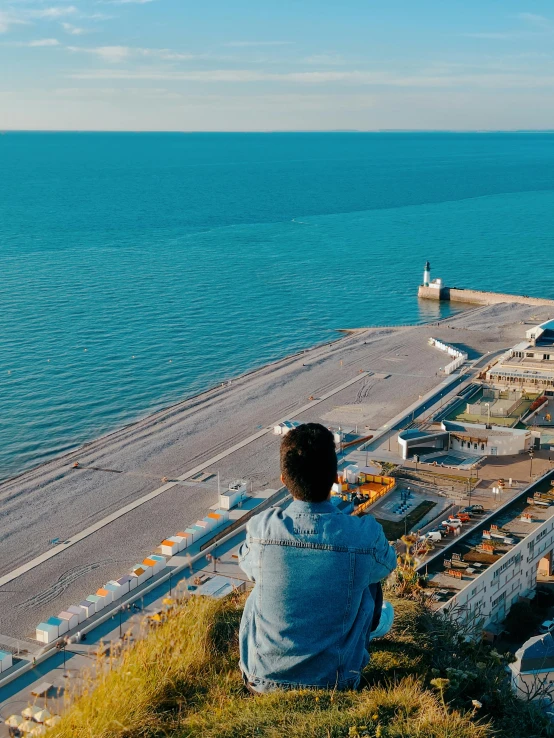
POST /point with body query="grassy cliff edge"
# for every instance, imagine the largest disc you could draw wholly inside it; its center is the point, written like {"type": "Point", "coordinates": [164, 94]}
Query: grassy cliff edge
{"type": "Point", "coordinates": [182, 680]}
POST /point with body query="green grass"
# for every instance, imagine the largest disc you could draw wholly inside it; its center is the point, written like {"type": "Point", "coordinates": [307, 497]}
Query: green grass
{"type": "Point", "coordinates": [183, 681]}
{"type": "Point", "coordinates": [395, 529]}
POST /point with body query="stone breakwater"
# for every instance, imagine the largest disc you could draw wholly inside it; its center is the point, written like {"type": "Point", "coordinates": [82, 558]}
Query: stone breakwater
{"type": "Point", "coordinates": [477, 297]}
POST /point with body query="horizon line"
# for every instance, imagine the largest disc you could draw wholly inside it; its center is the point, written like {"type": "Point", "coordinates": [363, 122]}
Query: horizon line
{"type": "Point", "coordinates": [4, 131]}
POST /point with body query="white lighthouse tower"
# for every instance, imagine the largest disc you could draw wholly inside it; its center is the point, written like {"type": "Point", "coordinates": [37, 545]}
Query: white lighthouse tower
{"type": "Point", "coordinates": [427, 274]}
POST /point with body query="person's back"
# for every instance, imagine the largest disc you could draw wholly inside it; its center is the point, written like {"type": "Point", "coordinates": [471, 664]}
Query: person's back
{"type": "Point", "coordinates": [307, 621]}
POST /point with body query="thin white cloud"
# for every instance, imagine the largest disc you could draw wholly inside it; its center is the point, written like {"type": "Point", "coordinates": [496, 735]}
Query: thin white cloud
{"type": "Point", "coordinates": [258, 43]}
{"type": "Point", "coordinates": [73, 30]}
{"type": "Point", "coordinates": [35, 43]}
{"type": "Point", "coordinates": [533, 18]}
{"type": "Point", "coordinates": [112, 54]}
{"type": "Point", "coordinates": [341, 78]}
{"type": "Point", "coordinates": [7, 20]}
{"type": "Point", "coordinates": [44, 42]}
{"type": "Point", "coordinates": [57, 11]}
{"type": "Point", "coordinates": [117, 54]}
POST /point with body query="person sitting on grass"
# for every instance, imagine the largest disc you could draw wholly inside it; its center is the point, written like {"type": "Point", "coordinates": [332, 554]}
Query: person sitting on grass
{"type": "Point", "coordinates": [317, 598]}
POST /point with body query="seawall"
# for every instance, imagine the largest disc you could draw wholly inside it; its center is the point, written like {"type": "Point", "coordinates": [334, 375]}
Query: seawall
{"type": "Point", "coordinates": [477, 297]}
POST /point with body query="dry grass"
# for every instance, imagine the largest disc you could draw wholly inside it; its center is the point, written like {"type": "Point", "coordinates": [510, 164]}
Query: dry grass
{"type": "Point", "coordinates": [183, 681]}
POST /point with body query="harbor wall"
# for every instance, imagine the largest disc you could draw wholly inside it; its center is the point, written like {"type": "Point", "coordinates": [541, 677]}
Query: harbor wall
{"type": "Point", "coordinates": [477, 297]}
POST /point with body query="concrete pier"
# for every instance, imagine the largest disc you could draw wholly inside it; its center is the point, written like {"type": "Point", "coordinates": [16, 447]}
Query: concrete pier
{"type": "Point", "coordinates": [477, 297]}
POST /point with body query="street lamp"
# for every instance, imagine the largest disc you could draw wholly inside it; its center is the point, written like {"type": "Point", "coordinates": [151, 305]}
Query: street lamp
{"type": "Point", "coordinates": [121, 610]}
{"type": "Point", "coordinates": [488, 406]}
{"type": "Point", "coordinates": [531, 456]}
{"type": "Point", "coordinates": [61, 646]}
{"type": "Point", "coordinates": [214, 559]}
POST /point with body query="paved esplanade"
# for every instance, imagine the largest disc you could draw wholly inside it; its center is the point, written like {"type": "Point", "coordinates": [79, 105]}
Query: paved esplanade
{"type": "Point", "coordinates": [115, 509]}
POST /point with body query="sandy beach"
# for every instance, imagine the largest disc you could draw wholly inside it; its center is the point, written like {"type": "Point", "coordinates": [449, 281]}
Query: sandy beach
{"type": "Point", "coordinates": [386, 369]}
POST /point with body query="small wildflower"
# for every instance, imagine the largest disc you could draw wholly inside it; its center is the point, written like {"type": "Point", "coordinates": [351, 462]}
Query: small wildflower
{"type": "Point", "coordinates": [476, 704]}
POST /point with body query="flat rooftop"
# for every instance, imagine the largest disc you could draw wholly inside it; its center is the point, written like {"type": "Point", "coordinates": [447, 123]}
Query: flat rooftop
{"type": "Point", "coordinates": [524, 362]}
{"type": "Point", "coordinates": [459, 411]}
{"type": "Point", "coordinates": [509, 521]}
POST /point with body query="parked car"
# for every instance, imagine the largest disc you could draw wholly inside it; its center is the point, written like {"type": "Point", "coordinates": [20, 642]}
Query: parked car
{"type": "Point", "coordinates": [547, 627]}
{"type": "Point", "coordinates": [451, 523]}
{"type": "Point", "coordinates": [464, 517]}
{"type": "Point", "coordinates": [433, 535]}
{"type": "Point", "coordinates": [477, 508]}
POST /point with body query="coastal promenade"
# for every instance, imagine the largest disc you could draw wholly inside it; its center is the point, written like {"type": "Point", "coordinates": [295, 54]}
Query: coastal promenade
{"type": "Point", "coordinates": [115, 508]}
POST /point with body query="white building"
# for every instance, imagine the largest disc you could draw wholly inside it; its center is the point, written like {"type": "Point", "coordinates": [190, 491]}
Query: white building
{"type": "Point", "coordinates": [490, 593]}
{"type": "Point", "coordinates": [236, 493]}
{"type": "Point", "coordinates": [528, 365]}
{"type": "Point", "coordinates": [479, 440]}
{"type": "Point", "coordinates": [532, 674]}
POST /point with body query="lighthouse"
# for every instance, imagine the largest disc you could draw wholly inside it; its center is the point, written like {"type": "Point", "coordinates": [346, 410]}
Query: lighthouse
{"type": "Point", "coordinates": [427, 274]}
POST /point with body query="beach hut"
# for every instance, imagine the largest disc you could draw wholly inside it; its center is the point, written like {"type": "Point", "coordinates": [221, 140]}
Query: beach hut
{"type": "Point", "coordinates": [97, 601]}
{"type": "Point", "coordinates": [70, 617]}
{"type": "Point", "coordinates": [79, 611]}
{"type": "Point", "coordinates": [169, 546]}
{"type": "Point", "coordinates": [53, 721]}
{"type": "Point", "coordinates": [205, 525]}
{"type": "Point", "coordinates": [106, 595]}
{"type": "Point", "coordinates": [37, 730]}
{"type": "Point", "coordinates": [180, 539]}
{"type": "Point", "coordinates": [160, 562]}
{"type": "Point", "coordinates": [46, 633]}
{"type": "Point", "coordinates": [89, 607]}
{"type": "Point", "coordinates": [192, 533]}
{"type": "Point", "coordinates": [184, 538]}
{"type": "Point", "coordinates": [6, 661]}
{"type": "Point", "coordinates": [127, 583]}
{"type": "Point", "coordinates": [27, 726]}
{"type": "Point", "coordinates": [141, 573]}
{"type": "Point", "coordinates": [114, 588]}
{"type": "Point", "coordinates": [199, 531]}
{"type": "Point", "coordinates": [153, 563]}
{"type": "Point", "coordinates": [62, 625]}
{"type": "Point", "coordinates": [218, 517]}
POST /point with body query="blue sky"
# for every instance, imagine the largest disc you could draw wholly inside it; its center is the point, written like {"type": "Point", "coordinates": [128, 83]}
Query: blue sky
{"type": "Point", "coordinates": [303, 65]}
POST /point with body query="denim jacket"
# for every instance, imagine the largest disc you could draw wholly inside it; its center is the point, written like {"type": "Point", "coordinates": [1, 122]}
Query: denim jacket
{"type": "Point", "coordinates": [306, 622]}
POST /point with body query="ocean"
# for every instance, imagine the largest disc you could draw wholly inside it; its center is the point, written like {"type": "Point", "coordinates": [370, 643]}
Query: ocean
{"type": "Point", "coordinates": [138, 269]}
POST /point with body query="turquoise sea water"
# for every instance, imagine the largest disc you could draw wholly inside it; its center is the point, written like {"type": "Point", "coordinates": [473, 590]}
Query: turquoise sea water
{"type": "Point", "coordinates": [137, 269]}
